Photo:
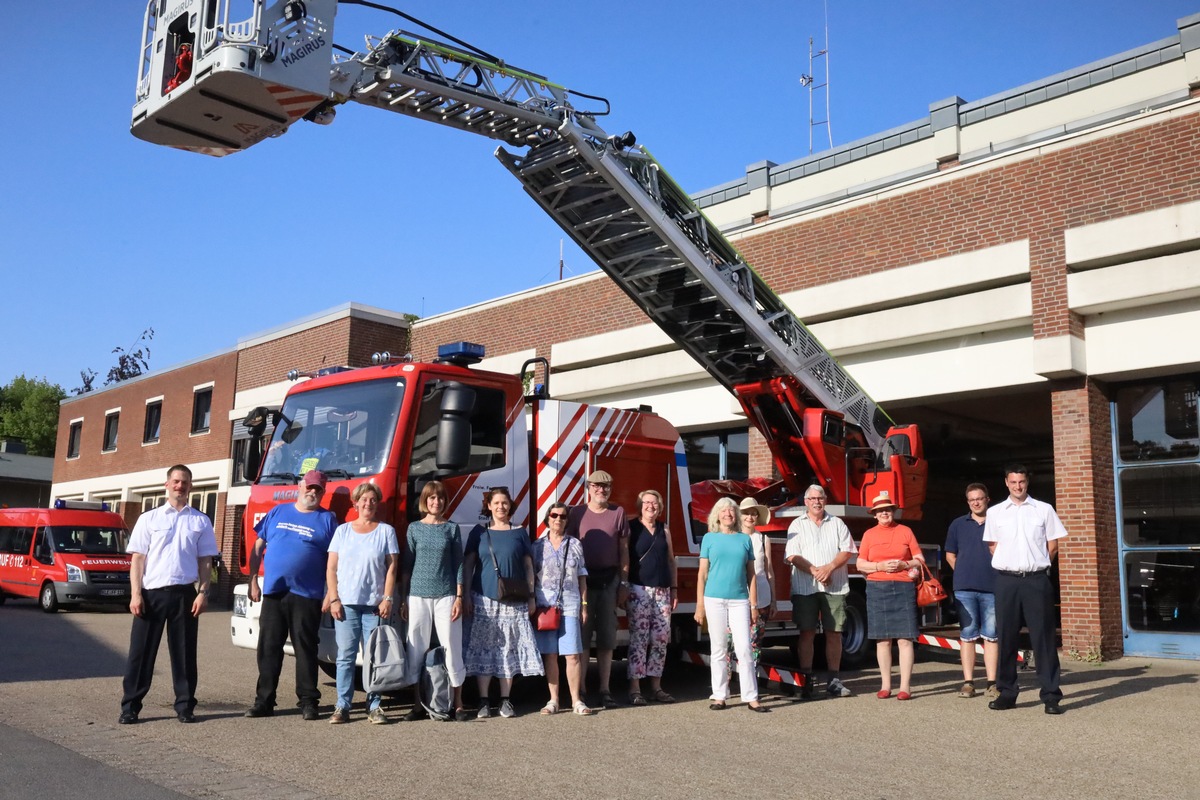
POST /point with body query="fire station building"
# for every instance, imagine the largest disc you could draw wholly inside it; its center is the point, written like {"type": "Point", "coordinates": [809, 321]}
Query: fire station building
{"type": "Point", "coordinates": [1018, 274]}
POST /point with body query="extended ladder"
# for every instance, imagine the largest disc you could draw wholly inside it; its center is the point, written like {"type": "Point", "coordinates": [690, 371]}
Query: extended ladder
{"type": "Point", "coordinates": [620, 207]}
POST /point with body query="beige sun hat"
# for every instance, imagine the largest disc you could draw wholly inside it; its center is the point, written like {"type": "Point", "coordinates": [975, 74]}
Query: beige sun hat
{"type": "Point", "coordinates": [764, 513]}
{"type": "Point", "coordinates": [882, 500]}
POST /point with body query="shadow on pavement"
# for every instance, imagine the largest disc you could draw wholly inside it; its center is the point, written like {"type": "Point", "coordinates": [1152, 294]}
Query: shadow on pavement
{"type": "Point", "coordinates": [35, 643]}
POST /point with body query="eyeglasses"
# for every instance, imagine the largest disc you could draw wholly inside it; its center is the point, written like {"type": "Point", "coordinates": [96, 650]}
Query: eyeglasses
{"type": "Point", "coordinates": [556, 515]}
{"type": "Point", "coordinates": [603, 487]}
{"type": "Point", "coordinates": [750, 512]}
{"type": "Point", "coordinates": [814, 499]}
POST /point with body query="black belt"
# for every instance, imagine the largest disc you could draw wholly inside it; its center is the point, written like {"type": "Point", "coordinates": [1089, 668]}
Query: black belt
{"type": "Point", "coordinates": [1024, 573]}
{"type": "Point", "coordinates": [177, 587]}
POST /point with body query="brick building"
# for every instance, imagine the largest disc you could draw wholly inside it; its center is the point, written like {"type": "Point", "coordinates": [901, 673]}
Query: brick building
{"type": "Point", "coordinates": [1018, 274]}
{"type": "Point", "coordinates": [115, 444]}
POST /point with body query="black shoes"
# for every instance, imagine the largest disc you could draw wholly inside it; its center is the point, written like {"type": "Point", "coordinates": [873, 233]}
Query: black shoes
{"type": "Point", "coordinates": [309, 712]}
{"type": "Point", "coordinates": [255, 711]}
{"type": "Point", "coordinates": [186, 717]}
{"type": "Point", "coordinates": [1002, 704]}
{"type": "Point", "coordinates": [1054, 709]}
{"type": "Point", "coordinates": [127, 718]}
{"type": "Point", "coordinates": [760, 709]}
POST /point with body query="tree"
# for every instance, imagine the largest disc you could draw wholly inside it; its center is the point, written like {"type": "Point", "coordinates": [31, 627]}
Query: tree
{"type": "Point", "coordinates": [131, 362]}
{"type": "Point", "coordinates": [29, 412]}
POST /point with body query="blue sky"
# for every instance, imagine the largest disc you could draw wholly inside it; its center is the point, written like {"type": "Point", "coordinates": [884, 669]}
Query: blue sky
{"type": "Point", "coordinates": [104, 235]}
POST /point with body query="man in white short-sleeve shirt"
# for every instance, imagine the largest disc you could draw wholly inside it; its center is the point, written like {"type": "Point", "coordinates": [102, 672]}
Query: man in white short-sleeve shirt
{"type": "Point", "coordinates": [1023, 535]}
{"type": "Point", "coordinates": [818, 548]}
{"type": "Point", "coordinates": [172, 548]}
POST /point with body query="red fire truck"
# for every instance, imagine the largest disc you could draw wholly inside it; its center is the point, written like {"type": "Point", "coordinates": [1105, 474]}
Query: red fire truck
{"type": "Point", "coordinates": [250, 79]}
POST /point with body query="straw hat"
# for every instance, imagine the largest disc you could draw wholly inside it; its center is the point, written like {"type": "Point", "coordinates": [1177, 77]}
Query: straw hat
{"type": "Point", "coordinates": [764, 513]}
{"type": "Point", "coordinates": [882, 501]}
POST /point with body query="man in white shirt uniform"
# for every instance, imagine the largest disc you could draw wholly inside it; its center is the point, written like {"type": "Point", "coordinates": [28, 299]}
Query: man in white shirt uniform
{"type": "Point", "coordinates": [1023, 535]}
{"type": "Point", "coordinates": [172, 548]}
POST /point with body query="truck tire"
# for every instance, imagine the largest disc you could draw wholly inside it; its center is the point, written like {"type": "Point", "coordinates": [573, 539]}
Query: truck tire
{"type": "Point", "coordinates": [47, 598]}
{"type": "Point", "coordinates": [856, 648]}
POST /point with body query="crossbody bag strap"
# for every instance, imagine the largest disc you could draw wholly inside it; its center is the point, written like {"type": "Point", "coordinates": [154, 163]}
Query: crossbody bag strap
{"type": "Point", "coordinates": [562, 575]}
{"type": "Point", "coordinates": [492, 550]}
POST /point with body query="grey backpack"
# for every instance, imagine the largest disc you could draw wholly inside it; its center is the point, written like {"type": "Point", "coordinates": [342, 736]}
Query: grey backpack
{"type": "Point", "coordinates": [435, 692]}
{"type": "Point", "coordinates": [384, 664]}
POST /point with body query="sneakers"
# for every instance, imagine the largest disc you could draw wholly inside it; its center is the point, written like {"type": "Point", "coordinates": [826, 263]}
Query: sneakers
{"type": "Point", "coordinates": [340, 716]}
{"type": "Point", "coordinates": [416, 713]}
{"type": "Point", "coordinates": [484, 711]}
{"type": "Point", "coordinates": [309, 712]}
{"type": "Point", "coordinates": [506, 708]}
{"type": "Point", "coordinates": [838, 689]}
{"type": "Point", "coordinates": [258, 710]}
{"type": "Point", "coordinates": [967, 690]}
{"type": "Point", "coordinates": [992, 691]}
{"type": "Point", "coordinates": [376, 716]}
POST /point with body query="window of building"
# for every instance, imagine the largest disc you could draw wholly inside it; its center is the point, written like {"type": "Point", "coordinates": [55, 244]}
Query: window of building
{"type": "Point", "coordinates": [153, 422]}
{"type": "Point", "coordinates": [201, 410]}
{"type": "Point", "coordinates": [111, 421]}
{"type": "Point", "coordinates": [204, 501]}
{"type": "Point", "coordinates": [73, 438]}
{"type": "Point", "coordinates": [1158, 421]}
{"type": "Point", "coordinates": [153, 501]}
{"type": "Point", "coordinates": [717, 455]}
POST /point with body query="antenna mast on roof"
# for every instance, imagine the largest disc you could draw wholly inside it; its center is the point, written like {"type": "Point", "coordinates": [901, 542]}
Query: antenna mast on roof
{"type": "Point", "coordinates": [808, 80]}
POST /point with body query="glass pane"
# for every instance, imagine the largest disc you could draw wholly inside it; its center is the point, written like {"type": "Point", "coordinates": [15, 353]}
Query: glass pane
{"type": "Point", "coordinates": [703, 456]}
{"type": "Point", "coordinates": [1163, 591]}
{"type": "Point", "coordinates": [1158, 421]}
{"type": "Point", "coordinates": [1161, 505]}
{"type": "Point", "coordinates": [346, 431]}
{"type": "Point", "coordinates": [737, 456]}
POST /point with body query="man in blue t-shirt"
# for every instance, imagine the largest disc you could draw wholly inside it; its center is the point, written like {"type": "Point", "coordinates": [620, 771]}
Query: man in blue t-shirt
{"type": "Point", "coordinates": [297, 536]}
{"type": "Point", "coordinates": [974, 590]}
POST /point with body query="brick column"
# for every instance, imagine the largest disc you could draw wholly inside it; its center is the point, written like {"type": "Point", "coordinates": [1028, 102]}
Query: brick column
{"type": "Point", "coordinates": [1089, 575]}
{"type": "Point", "coordinates": [231, 553]}
{"type": "Point", "coordinates": [762, 463]}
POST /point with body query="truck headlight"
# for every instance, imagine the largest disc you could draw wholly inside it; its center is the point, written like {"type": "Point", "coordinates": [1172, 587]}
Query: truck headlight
{"type": "Point", "coordinates": [74, 573]}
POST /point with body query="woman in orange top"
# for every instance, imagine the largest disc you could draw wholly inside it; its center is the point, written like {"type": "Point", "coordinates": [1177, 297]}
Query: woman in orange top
{"type": "Point", "coordinates": [887, 553]}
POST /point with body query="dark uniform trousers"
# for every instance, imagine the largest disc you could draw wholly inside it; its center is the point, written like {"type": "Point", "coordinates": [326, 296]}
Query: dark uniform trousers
{"type": "Point", "coordinates": [169, 607]}
{"type": "Point", "coordinates": [1028, 596]}
{"type": "Point", "coordinates": [287, 614]}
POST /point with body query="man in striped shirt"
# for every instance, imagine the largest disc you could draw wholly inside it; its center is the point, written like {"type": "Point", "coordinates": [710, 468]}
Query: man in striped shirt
{"type": "Point", "coordinates": [818, 548]}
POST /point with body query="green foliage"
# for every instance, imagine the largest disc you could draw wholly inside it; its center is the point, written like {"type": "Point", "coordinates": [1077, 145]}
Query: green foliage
{"type": "Point", "coordinates": [29, 412]}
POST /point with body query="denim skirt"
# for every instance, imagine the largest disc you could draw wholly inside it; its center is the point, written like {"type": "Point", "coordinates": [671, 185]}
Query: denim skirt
{"type": "Point", "coordinates": [891, 610]}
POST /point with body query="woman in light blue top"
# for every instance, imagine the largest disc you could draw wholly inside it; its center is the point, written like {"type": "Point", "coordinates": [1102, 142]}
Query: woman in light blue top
{"type": "Point", "coordinates": [360, 578]}
{"type": "Point", "coordinates": [726, 582]}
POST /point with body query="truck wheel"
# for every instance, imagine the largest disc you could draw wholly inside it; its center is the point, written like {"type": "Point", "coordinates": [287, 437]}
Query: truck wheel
{"type": "Point", "coordinates": [856, 650]}
{"type": "Point", "coordinates": [47, 599]}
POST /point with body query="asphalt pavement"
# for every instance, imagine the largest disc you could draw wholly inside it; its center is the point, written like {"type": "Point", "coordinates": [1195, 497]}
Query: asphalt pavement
{"type": "Point", "coordinates": [1130, 730]}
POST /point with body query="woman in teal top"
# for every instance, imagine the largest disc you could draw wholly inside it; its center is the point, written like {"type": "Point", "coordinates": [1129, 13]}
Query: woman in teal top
{"type": "Point", "coordinates": [432, 588]}
{"type": "Point", "coordinates": [726, 583]}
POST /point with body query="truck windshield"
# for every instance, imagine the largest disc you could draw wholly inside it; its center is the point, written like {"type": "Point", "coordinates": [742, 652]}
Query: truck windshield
{"type": "Point", "coordinates": [344, 431]}
{"type": "Point", "coordinates": [86, 539]}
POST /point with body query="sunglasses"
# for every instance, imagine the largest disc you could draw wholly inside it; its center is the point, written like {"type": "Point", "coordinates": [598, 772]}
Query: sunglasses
{"type": "Point", "coordinates": [556, 515]}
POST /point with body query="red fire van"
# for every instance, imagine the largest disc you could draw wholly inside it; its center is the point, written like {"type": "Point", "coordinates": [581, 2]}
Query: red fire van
{"type": "Point", "coordinates": [69, 554]}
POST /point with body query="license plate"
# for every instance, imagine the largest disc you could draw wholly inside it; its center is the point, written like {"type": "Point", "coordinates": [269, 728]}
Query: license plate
{"type": "Point", "coordinates": [111, 592]}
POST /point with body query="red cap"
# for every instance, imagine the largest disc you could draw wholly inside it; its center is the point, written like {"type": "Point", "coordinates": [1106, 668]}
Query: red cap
{"type": "Point", "coordinates": [314, 477]}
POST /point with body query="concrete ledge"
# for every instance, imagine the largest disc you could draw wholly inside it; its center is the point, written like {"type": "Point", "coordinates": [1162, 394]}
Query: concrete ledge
{"type": "Point", "coordinates": [1135, 284]}
{"type": "Point", "coordinates": [942, 277]}
{"type": "Point", "coordinates": [1060, 357]}
{"type": "Point", "coordinates": [1135, 235]}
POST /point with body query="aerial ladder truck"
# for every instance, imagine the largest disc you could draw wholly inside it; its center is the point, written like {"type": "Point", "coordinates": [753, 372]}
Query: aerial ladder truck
{"type": "Point", "coordinates": [215, 85]}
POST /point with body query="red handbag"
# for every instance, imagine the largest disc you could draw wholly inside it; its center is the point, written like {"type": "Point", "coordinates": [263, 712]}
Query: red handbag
{"type": "Point", "coordinates": [929, 589]}
{"type": "Point", "coordinates": [548, 618]}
